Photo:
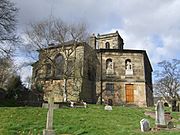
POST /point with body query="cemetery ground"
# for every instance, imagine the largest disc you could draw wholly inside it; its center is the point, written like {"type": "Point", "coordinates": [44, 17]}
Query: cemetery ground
{"type": "Point", "coordinates": [93, 120]}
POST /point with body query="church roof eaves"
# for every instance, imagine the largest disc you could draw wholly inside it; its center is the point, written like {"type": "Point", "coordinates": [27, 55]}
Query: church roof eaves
{"type": "Point", "coordinates": [65, 44]}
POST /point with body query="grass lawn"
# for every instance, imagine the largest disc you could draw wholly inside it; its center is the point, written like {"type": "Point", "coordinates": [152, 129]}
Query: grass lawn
{"type": "Point", "coordinates": [77, 121]}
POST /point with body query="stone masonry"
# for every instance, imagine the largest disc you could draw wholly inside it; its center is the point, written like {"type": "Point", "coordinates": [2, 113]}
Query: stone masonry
{"type": "Point", "coordinates": [122, 76]}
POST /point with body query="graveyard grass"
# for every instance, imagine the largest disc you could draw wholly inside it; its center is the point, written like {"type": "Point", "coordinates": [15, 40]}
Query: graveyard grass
{"type": "Point", "coordinates": [93, 120]}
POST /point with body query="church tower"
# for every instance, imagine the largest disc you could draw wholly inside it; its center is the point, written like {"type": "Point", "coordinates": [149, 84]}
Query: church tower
{"type": "Point", "coordinates": [107, 41]}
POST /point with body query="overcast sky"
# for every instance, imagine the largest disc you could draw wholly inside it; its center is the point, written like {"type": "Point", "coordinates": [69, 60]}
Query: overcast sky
{"type": "Point", "coordinates": [151, 25]}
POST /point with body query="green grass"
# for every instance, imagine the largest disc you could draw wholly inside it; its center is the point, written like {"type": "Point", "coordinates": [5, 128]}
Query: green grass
{"type": "Point", "coordinates": [77, 121]}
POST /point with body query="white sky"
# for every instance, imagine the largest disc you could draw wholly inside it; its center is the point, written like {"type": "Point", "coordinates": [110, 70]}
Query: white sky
{"type": "Point", "coordinates": [151, 25]}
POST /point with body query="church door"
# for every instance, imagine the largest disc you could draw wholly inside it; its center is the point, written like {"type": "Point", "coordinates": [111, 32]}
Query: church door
{"type": "Point", "coordinates": [129, 93]}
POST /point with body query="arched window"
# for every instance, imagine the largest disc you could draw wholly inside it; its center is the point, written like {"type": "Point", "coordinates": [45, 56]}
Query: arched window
{"type": "Point", "coordinates": [128, 67]}
{"type": "Point", "coordinates": [109, 67]}
{"type": "Point", "coordinates": [107, 45]}
{"type": "Point", "coordinates": [128, 64]}
{"type": "Point", "coordinates": [109, 63]}
{"type": "Point", "coordinates": [59, 65]}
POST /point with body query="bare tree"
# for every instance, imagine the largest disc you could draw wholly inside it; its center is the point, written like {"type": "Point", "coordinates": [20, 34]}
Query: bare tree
{"type": "Point", "coordinates": [8, 37]}
{"type": "Point", "coordinates": [51, 33]}
{"type": "Point", "coordinates": [167, 80]}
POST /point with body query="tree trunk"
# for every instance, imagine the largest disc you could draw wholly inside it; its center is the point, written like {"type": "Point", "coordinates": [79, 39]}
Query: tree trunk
{"type": "Point", "coordinates": [65, 91]}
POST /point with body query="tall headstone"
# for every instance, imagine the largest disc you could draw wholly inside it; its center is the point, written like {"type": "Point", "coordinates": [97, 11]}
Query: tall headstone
{"type": "Point", "coordinates": [145, 126]}
{"type": "Point", "coordinates": [178, 106]}
{"type": "Point", "coordinates": [173, 105]}
{"type": "Point", "coordinates": [49, 123]}
{"type": "Point", "coordinates": [160, 119]}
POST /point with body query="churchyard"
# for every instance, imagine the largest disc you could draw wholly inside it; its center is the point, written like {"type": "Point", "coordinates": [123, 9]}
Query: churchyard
{"type": "Point", "coordinates": [93, 120]}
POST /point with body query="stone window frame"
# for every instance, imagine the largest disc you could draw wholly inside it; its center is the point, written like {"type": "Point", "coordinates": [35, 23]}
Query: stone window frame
{"type": "Point", "coordinates": [109, 67]}
{"type": "Point", "coordinates": [110, 87]}
{"type": "Point", "coordinates": [108, 61]}
{"type": "Point", "coordinates": [128, 67]}
{"type": "Point", "coordinates": [128, 60]}
{"type": "Point", "coordinates": [107, 45]}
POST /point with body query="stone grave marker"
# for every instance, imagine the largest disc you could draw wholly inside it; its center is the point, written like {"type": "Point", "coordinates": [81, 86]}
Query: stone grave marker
{"type": "Point", "coordinates": [173, 105]}
{"type": "Point", "coordinates": [170, 125]}
{"type": "Point", "coordinates": [108, 108]}
{"type": "Point", "coordinates": [160, 119]}
{"type": "Point", "coordinates": [49, 123]}
{"type": "Point", "coordinates": [145, 126]}
{"type": "Point", "coordinates": [178, 106]}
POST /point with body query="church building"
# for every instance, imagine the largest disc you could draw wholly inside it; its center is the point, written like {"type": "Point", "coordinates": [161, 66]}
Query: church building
{"type": "Point", "coordinates": [100, 71]}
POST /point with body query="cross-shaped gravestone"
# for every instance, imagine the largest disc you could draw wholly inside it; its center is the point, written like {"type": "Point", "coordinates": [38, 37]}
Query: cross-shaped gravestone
{"type": "Point", "coordinates": [49, 123]}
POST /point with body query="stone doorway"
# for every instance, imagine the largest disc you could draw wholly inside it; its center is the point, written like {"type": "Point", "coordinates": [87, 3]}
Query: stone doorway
{"type": "Point", "coordinates": [129, 93]}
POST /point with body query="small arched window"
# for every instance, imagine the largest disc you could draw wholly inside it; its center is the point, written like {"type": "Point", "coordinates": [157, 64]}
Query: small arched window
{"type": "Point", "coordinates": [109, 66]}
{"type": "Point", "coordinates": [128, 64]}
{"type": "Point", "coordinates": [107, 45]}
{"type": "Point", "coordinates": [129, 69]}
{"type": "Point", "coordinates": [108, 63]}
{"type": "Point", "coordinates": [59, 65]}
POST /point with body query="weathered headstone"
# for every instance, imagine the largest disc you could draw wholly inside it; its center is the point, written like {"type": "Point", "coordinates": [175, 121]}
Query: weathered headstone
{"type": "Point", "coordinates": [110, 102]}
{"type": "Point", "coordinates": [49, 123]}
{"type": "Point", "coordinates": [145, 126]}
{"type": "Point", "coordinates": [160, 119]}
{"type": "Point", "coordinates": [72, 104]}
{"type": "Point", "coordinates": [170, 125]}
{"type": "Point", "coordinates": [178, 106]}
{"type": "Point", "coordinates": [85, 104]}
{"type": "Point", "coordinates": [173, 105]}
{"type": "Point", "coordinates": [108, 108]}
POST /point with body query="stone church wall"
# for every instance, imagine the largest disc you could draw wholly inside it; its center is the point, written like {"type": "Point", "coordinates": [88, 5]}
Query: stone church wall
{"type": "Point", "coordinates": [119, 78]}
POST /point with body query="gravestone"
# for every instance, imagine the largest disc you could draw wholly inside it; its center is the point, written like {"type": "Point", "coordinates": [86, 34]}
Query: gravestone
{"type": "Point", "coordinates": [72, 104]}
{"type": "Point", "coordinates": [160, 119]}
{"type": "Point", "coordinates": [49, 123]}
{"type": "Point", "coordinates": [85, 104]}
{"type": "Point", "coordinates": [145, 126]}
{"type": "Point", "coordinates": [178, 106]}
{"type": "Point", "coordinates": [173, 105]}
{"type": "Point", "coordinates": [110, 102]}
{"type": "Point", "coordinates": [108, 108]}
{"type": "Point", "coordinates": [170, 125]}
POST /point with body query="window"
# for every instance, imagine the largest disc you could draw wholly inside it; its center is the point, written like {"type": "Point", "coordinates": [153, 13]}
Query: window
{"type": "Point", "coordinates": [109, 63]}
{"type": "Point", "coordinates": [110, 87]}
{"type": "Point", "coordinates": [107, 45]}
{"type": "Point", "coordinates": [128, 67]}
{"type": "Point", "coordinates": [128, 64]}
{"type": "Point", "coordinates": [59, 65]}
{"type": "Point", "coordinates": [109, 66]}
